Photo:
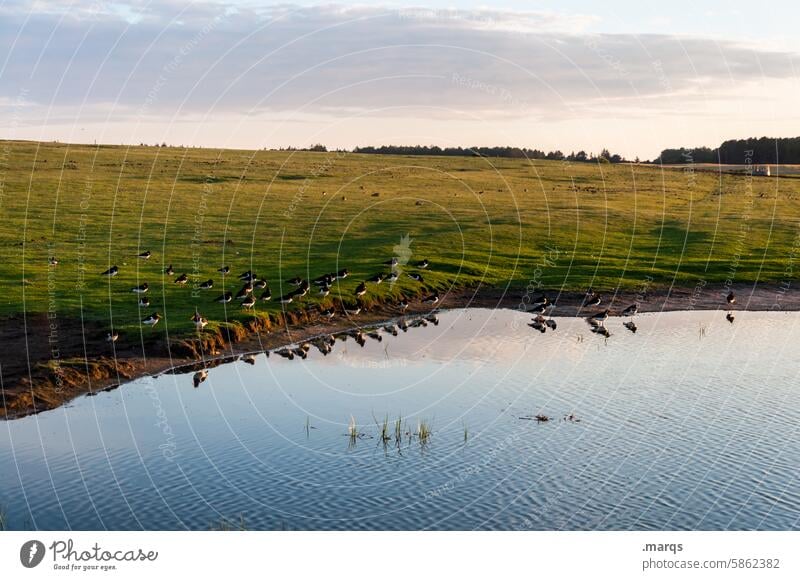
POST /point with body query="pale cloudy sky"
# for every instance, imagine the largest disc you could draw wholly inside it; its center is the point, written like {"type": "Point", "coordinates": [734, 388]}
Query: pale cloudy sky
{"type": "Point", "coordinates": [571, 75]}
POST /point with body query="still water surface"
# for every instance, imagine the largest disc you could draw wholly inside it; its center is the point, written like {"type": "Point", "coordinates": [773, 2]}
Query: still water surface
{"type": "Point", "coordinates": [691, 423]}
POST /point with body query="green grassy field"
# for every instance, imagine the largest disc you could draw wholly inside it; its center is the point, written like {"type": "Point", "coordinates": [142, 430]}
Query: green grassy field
{"type": "Point", "coordinates": [500, 221]}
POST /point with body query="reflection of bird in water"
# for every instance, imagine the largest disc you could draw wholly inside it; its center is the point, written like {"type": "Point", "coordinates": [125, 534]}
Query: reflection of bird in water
{"type": "Point", "coordinates": [285, 353]}
{"type": "Point", "coordinates": [199, 377]}
{"type": "Point", "coordinates": [403, 325]}
{"type": "Point", "coordinates": [169, 271]}
{"type": "Point", "coordinates": [374, 335]}
{"type": "Point", "coordinates": [199, 322]}
{"type": "Point", "coordinates": [730, 317]}
{"type": "Point", "coordinates": [391, 329]}
{"type": "Point", "coordinates": [601, 330]}
{"type": "Point", "coordinates": [551, 324]}
{"type": "Point", "coordinates": [539, 324]}
{"type": "Point", "coordinates": [731, 298]}
{"type": "Point", "coordinates": [630, 326]}
{"type": "Point", "coordinates": [631, 310]}
{"type": "Point", "coordinates": [249, 359]}
{"type": "Point", "coordinates": [224, 270]}
{"type": "Point", "coordinates": [433, 319]}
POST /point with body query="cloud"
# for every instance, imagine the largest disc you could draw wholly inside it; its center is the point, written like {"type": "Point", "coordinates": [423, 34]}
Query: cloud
{"type": "Point", "coordinates": [142, 59]}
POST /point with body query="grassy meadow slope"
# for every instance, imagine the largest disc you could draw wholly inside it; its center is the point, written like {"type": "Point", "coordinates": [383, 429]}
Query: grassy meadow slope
{"type": "Point", "coordinates": [503, 222]}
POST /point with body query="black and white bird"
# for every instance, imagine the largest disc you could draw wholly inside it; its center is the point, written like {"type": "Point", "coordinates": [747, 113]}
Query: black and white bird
{"type": "Point", "coordinates": [731, 298]}
{"type": "Point", "coordinates": [169, 270]}
{"type": "Point", "coordinates": [287, 298]}
{"type": "Point", "coordinates": [324, 290]}
{"type": "Point", "coordinates": [144, 302]}
{"type": "Point", "coordinates": [112, 271]}
{"type": "Point", "coordinates": [361, 289]}
{"type": "Point", "coordinates": [285, 353]}
{"type": "Point", "coordinates": [392, 263]}
{"type": "Point", "coordinates": [600, 317]}
{"type": "Point", "coordinates": [342, 274]}
{"type": "Point", "coordinates": [247, 276]}
{"type": "Point", "coordinates": [631, 310]}
{"type": "Point", "coordinates": [328, 313]}
{"type": "Point", "coordinates": [266, 295]}
{"type": "Point", "coordinates": [593, 300]}
{"type": "Point", "coordinates": [145, 255]}
{"type": "Point", "coordinates": [199, 321]}
{"type": "Point", "coordinates": [377, 278]}
{"type": "Point", "coordinates": [551, 324]}
{"type": "Point", "coordinates": [141, 289]}
{"type": "Point", "coordinates": [224, 298]}
{"type": "Point", "coordinates": [538, 308]}
{"type": "Point", "coordinates": [249, 302]}
{"type": "Point", "coordinates": [199, 377]}
{"type": "Point", "coordinates": [324, 280]}
{"type": "Point", "coordinates": [260, 284]}
{"type": "Point", "coordinates": [630, 325]}
{"type": "Point", "coordinates": [391, 329]}
{"type": "Point", "coordinates": [352, 311]}
{"type": "Point", "coordinates": [53, 261]}
{"type": "Point", "coordinates": [207, 285]}
{"type": "Point", "coordinates": [432, 299]}
{"type": "Point", "coordinates": [415, 276]}
{"type": "Point", "coordinates": [422, 264]}
{"type": "Point", "coordinates": [249, 359]}
{"type": "Point", "coordinates": [730, 317]}
{"type": "Point", "coordinates": [112, 337]}
{"type": "Point", "coordinates": [152, 320]}
{"type": "Point", "coordinates": [245, 291]}
{"type": "Point", "coordinates": [182, 279]}
{"type": "Point", "coordinates": [403, 304]}
{"type": "Point", "coordinates": [392, 276]}
{"type": "Point", "coordinates": [224, 270]}
{"type": "Point", "coordinates": [296, 281]}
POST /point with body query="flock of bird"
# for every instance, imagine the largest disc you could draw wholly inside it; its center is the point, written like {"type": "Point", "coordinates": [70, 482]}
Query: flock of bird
{"type": "Point", "coordinates": [541, 305]}
{"type": "Point", "coordinates": [246, 296]}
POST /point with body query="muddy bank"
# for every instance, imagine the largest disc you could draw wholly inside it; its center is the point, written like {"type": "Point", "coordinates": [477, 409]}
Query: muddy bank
{"type": "Point", "coordinates": [35, 377]}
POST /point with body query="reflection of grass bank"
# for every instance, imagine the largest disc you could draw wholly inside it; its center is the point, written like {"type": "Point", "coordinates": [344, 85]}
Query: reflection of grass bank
{"type": "Point", "coordinates": [3, 519]}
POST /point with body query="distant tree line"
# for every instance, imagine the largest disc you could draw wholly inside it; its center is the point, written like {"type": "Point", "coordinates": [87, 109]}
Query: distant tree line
{"type": "Point", "coordinates": [513, 152]}
{"type": "Point", "coordinates": [761, 150]}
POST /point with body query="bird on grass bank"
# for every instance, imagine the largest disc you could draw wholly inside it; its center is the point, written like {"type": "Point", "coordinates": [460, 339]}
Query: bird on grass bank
{"type": "Point", "coordinates": [245, 291]}
{"type": "Point", "coordinates": [285, 353]}
{"type": "Point", "coordinates": [731, 298]}
{"type": "Point", "coordinates": [328, 313]}
{"type": "Point", "coordinates": [342, 274]}
{"type": "Point", "coordinates": [391, 276]}
{"type": "Point", "coordinates": [112, 337]}
{"type": "Point", "coordinates": [324, 291]}
{"type": "Point", "coordinates": [260, 284]}
{"type": "Point", "coordinates": [224, 270]}
{"type": "Point", "coordinates": [141, 289]}
{"type": "Point", "coordinates": [415, 276]}
{"type": "Point", "coordinates": [361, 289]}
{"type": "Point", "coordinates": [144, 255]}
{"type": "Point", "coordinates": [199, 377]}
{"type": "Point", "coordinates": [422, 264]}
{"type": "Point", "coordinates": [112, 271]}
{"type": "Point", "coordinates": [249, 302]}
{"type": "Point", "coordinates": [432, 299]}
{"type": "Point", "coordinates": [199, 322]}
{"type": "Point", "coordinates": [207, 285]}
{"type": "Point", "coordinates": [144, 302]}
{"type": "Point", "coordinates": [287, 298]}
{"type": "Point", "coordinates": [224, 298]}
{"type": "Point", "coordinates": [152, 320]}
{"type": "Point", "coordinates": [296, 281]}
{"type": "Point", "coordinates": [266, 295]}
{"type": "Point", "coordinates": [53, 261]}
{"type": "Point", "coordinates": [247, 276]}
{"type": "Point", "coordinates": [391, 263]}
{"type": "Point", "coordinates": [182, 280]}
{"type": "Point", "coordinates": [169, 270]}
{"type": "Point", "coordinates": [631, 310]}
{"type": "Point", "coordinates": [377, 278]}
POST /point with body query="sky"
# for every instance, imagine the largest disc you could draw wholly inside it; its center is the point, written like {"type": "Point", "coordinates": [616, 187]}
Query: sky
{"type": "Point", "coordinates": [570, 75]}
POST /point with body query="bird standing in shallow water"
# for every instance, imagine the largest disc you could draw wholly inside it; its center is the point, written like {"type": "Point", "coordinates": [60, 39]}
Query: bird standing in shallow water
{"type": "Point", "coordinates": [199, 377]}
{"type": "Point", "coordinates": [432, 299]}
{"type": "Point", "coordinates": [631, 310]}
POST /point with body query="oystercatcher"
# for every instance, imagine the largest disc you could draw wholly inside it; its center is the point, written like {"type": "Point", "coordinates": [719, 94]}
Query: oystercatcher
{"type": "Point", "coordinates": [152, 320]}
{"type": "Point", "coordinates": [112, 271]}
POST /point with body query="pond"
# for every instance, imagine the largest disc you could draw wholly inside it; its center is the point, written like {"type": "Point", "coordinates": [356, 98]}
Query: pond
{"type": "Point", "coordinates": [689, 423]}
